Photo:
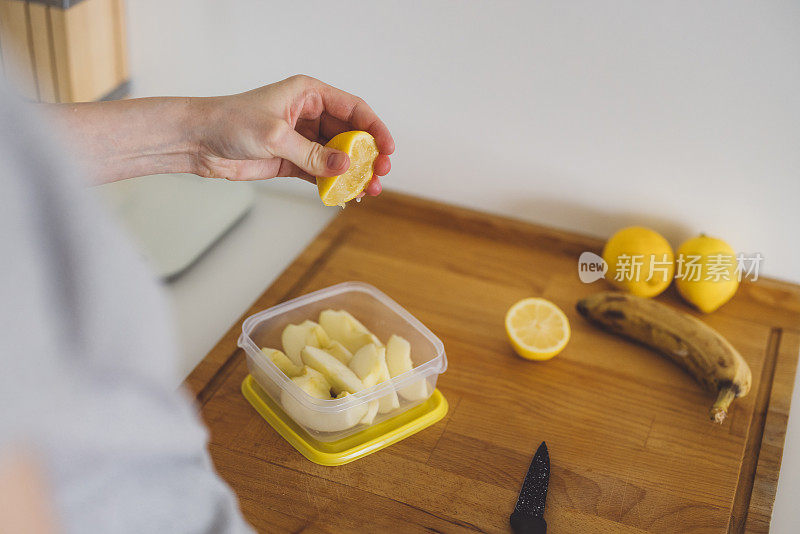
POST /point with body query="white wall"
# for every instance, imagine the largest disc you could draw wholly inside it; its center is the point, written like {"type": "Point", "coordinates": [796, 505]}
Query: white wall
{"type": "Point", "coordinates": [586, 116]}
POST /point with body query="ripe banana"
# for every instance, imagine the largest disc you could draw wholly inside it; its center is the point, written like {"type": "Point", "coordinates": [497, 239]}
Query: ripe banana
{"type": "Point", "coordinates": [689, 342]}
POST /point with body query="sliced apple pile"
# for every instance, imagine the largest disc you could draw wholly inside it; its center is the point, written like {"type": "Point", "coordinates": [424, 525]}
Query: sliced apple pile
{"type": "Point", "coordinates": [338, 356]}
{"type": "Point", "coordinates": [338, 374]}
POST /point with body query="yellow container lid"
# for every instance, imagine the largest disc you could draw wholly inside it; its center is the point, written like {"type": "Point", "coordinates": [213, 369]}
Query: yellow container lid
{"type": "Point", "coordinates": [358, 445]}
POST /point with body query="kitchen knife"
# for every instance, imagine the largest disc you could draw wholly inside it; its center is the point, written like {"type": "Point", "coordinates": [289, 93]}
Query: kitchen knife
{"type": "Point", "coordinates": [528, 515]}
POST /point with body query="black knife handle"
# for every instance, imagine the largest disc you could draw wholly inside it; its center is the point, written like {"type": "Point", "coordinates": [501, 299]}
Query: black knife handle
{"type": "Point", "coordinates": [526, 524]}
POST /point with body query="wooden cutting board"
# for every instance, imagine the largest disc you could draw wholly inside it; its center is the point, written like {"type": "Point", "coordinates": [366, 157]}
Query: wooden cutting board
{"type": "Point", "coordinates": [630, 442]}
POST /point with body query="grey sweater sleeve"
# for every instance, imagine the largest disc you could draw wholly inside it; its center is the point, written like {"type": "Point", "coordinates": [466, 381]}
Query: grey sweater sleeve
{"type": "Point", "coordinates": [87, 379]}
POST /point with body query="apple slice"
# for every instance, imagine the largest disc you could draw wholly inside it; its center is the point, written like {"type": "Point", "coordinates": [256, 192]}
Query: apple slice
{"type": "Point", "coordinates": [293, 339]}
{"type": "Point", "coordinates": [322, 422]}
{"type": "Point", "coordinates": [361, 339]}
{"type": "Point", "coordinates": [315, 384]}
{"type": "Point", "coordinates": [297, 336]}
{"type": "Point", "coordinates": [366, 364]}
{"type": "Point", "coordinates": [282, 362]}
{"type": "Point", "coordinates": [336, 324]}
{"type": "Point", "coordinates": [398, 360]}
{"type": "Point", "coordinates": [317, 334]}
{"type": "Point", "coordinates": [338, 374]}
{"type": "Point", "coordinates": [346, 329]}
{"type": "Point", "coordinates": [372, 411]}
{"type": "Point", "coordinates": [389, 401]}
{"type": "Point", "coordinates": [369, 364]}
{"type": "Point", "coordinates": [338, 351]}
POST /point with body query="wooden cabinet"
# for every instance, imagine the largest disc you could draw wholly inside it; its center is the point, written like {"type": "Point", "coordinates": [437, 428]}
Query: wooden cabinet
{"type": "Point", "coordinates": [64, 51]}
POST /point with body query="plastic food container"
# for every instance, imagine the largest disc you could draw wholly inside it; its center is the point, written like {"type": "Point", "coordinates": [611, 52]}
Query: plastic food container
{"type": "Point", "coordinates": [331, 420]}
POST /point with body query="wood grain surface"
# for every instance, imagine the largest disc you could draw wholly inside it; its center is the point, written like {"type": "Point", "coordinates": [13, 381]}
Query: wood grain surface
{"type": "Point", "coordinates": [44, 58]}
{"type": "Point", "coordinates": [630, 442]}
{"type": "Point", "coordinates": [16, 47]}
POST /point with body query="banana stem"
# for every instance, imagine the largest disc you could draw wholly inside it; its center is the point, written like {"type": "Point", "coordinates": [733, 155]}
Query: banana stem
{"type": "Point", "coordinates": [720, 407]}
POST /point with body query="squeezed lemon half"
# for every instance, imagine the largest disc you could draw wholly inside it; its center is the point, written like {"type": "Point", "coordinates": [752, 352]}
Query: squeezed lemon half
{"type": "Point", "coordinates": [361, 147]}
{"type": "Point", "coordinates": [537, 328]}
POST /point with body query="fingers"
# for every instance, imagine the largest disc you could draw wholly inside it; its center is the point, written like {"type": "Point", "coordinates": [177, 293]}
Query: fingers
{"type": "Point", "coordinates": [309, 156]}
{"type": "Point", "coordinates": [330, 126]}
{"type": "Point", "coordinates": [288, 168]}
{"type": "Point", "coordinates": [382, 165]}
{"type": "Point", "coordinates": [374, 187]}
{"type": "Point", "coordinates": [340, 112]}
{"type": "Point", "coordinates": [353, 111]}
{"type": "Point", "coordinates": [309, 128]}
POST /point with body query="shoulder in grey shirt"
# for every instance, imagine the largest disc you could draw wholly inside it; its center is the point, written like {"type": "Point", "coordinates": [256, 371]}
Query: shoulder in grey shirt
{"type": "Point", "coordinates": [87, 378]}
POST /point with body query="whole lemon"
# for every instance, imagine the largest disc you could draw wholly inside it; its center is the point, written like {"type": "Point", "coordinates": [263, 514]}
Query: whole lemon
{"type": "Point", "coordinates": [707, 276]}
{"type": "Point", "coordinates": [640, 261]}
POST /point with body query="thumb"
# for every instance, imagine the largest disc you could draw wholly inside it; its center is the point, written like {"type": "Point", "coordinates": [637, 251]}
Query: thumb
{"type": "Point", "coordinates": [311, 157]}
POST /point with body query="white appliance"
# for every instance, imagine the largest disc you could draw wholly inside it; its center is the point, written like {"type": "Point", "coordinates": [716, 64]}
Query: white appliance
{"type": "Point", "coordinates": [174, 218]}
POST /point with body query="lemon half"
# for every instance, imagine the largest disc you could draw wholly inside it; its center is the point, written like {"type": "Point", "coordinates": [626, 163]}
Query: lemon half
{"type": "Point", "coordinates": [361, 147]}
{"type": "Point", "coordinates": [537, 328]}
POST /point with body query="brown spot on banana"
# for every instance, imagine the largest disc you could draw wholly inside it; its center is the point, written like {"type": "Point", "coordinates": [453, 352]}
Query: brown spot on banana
{"type": "Point", "coordinates": [696, 347]}
{"type": "Point", "coordinates": [614, 315]}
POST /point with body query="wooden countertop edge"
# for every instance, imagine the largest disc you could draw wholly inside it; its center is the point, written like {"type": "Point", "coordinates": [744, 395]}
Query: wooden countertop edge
{"type": "Point", "coordinates": [772, 414]}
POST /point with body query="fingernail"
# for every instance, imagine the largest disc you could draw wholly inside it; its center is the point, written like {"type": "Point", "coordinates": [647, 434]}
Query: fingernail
{"type": "Point", "coordinates": [337, 160]}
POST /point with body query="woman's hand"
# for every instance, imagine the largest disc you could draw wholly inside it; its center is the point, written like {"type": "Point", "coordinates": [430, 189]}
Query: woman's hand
{"type": "Point", "coordinates": [277, 130]}
{"type": "Point", "coordinates": [280, 130]}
